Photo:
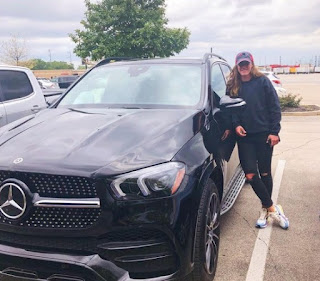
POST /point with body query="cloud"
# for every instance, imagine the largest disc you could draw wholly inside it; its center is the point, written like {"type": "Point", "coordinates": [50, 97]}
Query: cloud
{"type": "Point", "coordinates": [43, 10]}
{"type": "Point", "coordinates": [266, 27]}
{"type": "Point", "coordinates": [269, 29]}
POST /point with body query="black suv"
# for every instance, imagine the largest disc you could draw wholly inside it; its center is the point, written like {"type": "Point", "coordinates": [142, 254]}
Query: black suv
{"type": "Point", "coordinates": [123, 178]}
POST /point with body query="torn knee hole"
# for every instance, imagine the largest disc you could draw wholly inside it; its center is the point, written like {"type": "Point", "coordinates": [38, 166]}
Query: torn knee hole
{"type": "Point", "coordinates": [249, 177]}
{"type": "Point", "coordinates": [264, 174]}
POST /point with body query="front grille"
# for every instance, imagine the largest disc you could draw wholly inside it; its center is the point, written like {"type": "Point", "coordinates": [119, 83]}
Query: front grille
{"type": "Point", "coordinates": [59, 218]}
{"type": "Point", "coordinates": [137, 234]}
{"type": "Point", "coordinates": [56, 186]}
{"type": "Point", "coordinates": [63, 244]}
{"type": "Point", "coordinates": [78, 244]}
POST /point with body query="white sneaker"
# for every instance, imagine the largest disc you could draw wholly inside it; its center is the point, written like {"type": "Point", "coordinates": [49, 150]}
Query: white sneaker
{"type": "Point", "coordinates": [279, 217]}
{"type": "Point", "coordinates": [262, 221]}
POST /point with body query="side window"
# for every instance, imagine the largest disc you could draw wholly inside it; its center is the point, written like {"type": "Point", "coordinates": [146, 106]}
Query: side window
{"type": "Point", "coordinates": [226, 71]}
{"type": "Point", "coordinates": [14, 85]}
{"type": "Point", "coordinates": [218, 84]}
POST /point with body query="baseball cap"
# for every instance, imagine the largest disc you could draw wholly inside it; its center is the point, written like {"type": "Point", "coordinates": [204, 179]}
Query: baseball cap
{"type": "Point", "coordinates": [244, 56]}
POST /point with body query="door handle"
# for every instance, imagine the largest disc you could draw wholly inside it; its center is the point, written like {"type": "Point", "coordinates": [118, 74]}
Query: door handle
{"type": "Point", "coordinates": [35, 108]}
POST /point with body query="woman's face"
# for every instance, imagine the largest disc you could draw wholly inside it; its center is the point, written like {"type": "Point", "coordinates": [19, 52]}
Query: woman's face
{"type": "Point", "coordinates": [244, 68]}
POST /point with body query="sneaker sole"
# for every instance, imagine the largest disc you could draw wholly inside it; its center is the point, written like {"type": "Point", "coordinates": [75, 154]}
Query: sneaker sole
{"type": "Point", "coordinates": [261, 226]}
{"type": "Point", "coordinates": [281, 213]}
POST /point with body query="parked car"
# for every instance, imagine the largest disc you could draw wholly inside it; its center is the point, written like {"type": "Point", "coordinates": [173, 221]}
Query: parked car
{"type": "Point", "coordinates": [123, 178]}
{"type": "Point", "coordinates": [276, 82]}
{"type": "Point", "coordinates": [20, 94]}
{"type": "Point", "coordinates": [47, 84]}
{"type": "Point", "coordinates": [51, 95]}
{"type": "Point", "coordinates": [66, 80]}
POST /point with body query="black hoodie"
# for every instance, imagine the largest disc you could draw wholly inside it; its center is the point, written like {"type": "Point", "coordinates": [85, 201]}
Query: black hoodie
{"type": "Point", "coordinates": [262, 112]}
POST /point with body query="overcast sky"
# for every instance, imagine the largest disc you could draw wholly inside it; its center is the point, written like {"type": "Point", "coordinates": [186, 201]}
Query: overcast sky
{"type": "Point", "coordinates": [273, 30]}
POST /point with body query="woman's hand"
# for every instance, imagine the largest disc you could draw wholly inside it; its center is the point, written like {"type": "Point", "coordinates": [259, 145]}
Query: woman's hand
{"type": "Point", "coordinates": [225, 135]}
{"type": "Point", "coordinates": [273, 140]}
{"type": "Point", "coordinates": [240, 131]}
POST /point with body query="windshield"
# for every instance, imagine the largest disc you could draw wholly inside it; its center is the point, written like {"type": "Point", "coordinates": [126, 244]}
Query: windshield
{"type": "Point", "coordinates": [140, 85]}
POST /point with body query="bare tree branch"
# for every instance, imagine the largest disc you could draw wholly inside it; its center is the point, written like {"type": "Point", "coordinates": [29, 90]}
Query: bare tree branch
{"type": "Point", "coordinates": [14, 50]}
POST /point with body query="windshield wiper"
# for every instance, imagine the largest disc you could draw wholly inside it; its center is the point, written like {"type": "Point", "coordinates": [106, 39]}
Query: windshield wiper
{"type": "Point", "coordinates": [132, 107]}
{"type": "Point", "coordinates": [81, 111]}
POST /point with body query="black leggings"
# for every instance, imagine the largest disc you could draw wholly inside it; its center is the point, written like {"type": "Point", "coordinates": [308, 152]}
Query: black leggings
{"type": "Point", "coordinates": [255, 158]}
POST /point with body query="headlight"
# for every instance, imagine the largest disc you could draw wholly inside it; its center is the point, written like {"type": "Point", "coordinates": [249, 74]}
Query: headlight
{"type": "Point", "coordinates": [161, 180]}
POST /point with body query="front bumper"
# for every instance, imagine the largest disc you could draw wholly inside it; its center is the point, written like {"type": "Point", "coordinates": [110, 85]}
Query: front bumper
{"type": "Point", "coordinates": [141, 240]}
{"type": "Point", "coordinates": [19, 264]}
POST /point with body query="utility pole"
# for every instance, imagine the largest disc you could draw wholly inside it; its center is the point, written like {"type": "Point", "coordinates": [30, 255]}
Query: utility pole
{"type": "Point", "coordinates": [49, 54]}
{"type": "Point", "coordinates": [211, 50]}
{"type": "Point", "coordinates": [70, 57]}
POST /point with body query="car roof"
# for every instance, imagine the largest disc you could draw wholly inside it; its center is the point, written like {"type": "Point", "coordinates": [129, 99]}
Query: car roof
{"type": "Point", "coordinates": [11, 67]}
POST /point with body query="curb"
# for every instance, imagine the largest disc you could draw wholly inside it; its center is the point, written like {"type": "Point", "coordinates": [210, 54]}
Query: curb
{"type": "Point", "coordinates": [302, 113]}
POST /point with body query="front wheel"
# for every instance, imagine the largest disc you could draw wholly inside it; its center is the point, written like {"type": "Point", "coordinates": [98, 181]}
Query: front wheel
{"type": "Point", "coordinates": [207, 236]}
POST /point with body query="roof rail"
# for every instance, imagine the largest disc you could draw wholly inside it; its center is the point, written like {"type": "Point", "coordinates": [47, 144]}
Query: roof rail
{"type": "Point", "coordinates": [113, 59]}
{"type": "Point", "coordinates": [210, 55]}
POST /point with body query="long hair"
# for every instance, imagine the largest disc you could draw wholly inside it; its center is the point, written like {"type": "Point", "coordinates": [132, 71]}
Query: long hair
{"type": "Point", "coordinates": [234, 81]}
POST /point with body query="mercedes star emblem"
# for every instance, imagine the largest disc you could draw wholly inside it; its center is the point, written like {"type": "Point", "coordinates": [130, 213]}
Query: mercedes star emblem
{"type": "Point", "coordinates": [17, 161]}
{"type": "Point", "coordinates": [13, 202]}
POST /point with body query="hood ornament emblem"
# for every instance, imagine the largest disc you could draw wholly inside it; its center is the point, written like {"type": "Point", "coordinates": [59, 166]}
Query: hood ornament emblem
{"type": "Point", "coordinates": [18, 160]}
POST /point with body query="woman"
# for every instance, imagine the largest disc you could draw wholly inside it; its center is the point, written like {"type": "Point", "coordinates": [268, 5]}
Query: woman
{"type": "Point", "coordinates": [257, 128]}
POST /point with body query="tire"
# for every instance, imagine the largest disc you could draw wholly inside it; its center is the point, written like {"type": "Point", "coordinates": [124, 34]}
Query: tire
{"type": "Point", "coordinates": [207, 236]}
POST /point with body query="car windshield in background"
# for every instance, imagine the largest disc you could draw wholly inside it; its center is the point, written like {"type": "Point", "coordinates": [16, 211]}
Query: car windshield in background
{"type": "Point", "coordinates": [140, 85]}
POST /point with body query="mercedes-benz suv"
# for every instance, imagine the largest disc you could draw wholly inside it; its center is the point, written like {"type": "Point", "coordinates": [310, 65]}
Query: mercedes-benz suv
{"type": "Point", "coordinates": [123, 178]}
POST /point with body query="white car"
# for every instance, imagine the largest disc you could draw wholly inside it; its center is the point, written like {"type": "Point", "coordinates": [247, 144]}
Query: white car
{"type": "Point", "coordinates": [20, 94]}
{"type": "Point", "coordinates": [275, 82]}
{"type": "Point", "coordinates": [47, 84]}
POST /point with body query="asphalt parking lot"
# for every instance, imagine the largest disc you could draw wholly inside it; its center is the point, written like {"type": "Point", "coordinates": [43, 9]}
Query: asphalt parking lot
{"type": "Point", "coordinates": [292, 254]}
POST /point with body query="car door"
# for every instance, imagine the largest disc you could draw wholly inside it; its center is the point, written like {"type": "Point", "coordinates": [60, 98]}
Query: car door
{"type": "Point", "coordinates": [227, 153]}
{"type": "Point", "coordinates": [18, 96]}
{"type": "Point", "coordinates": [233, 162]}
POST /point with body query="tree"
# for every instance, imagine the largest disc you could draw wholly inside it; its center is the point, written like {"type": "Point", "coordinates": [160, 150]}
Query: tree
{"type": "Point", "coordinates": [39, 64]}
{"type": "Point", "coordinates": [14, 50]}
{"type": "Point", "coordinates": [128, 28]}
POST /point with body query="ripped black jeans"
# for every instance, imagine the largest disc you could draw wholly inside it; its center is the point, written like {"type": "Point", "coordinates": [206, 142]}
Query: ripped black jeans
{"type": "Point", "coordinates": [255, 157]}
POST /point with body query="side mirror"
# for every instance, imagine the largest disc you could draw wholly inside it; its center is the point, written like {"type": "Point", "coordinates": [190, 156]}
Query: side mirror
{"type": "Point", "coordinates": [228, 102]}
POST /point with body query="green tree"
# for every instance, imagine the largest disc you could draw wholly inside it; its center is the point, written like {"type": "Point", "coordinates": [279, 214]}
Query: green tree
{"type": "Point", "coordinates": [128, 28]}
{"type": "Point", "coordinates": [59, 65]}
{"type": "Point", "coordinates": [39, 64]}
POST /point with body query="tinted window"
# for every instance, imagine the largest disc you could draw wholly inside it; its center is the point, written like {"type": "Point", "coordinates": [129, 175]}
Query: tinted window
{"type": "Point", "coordinates": [14, 85]}
{"type": "Point", "coordinates": [143, 85]}
{"type": "Point", "coordinates": [218, 84]}
{"type": "Point", "coordinates": [226, 71]}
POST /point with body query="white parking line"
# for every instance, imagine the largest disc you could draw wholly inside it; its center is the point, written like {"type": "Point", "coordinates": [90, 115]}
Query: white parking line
{"type": "Point", "coordinates": [261, 247]}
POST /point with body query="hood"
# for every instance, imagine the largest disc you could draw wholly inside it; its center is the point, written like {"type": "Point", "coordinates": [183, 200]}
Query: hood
{"type": "Point", "coordinates": [84, 142]}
